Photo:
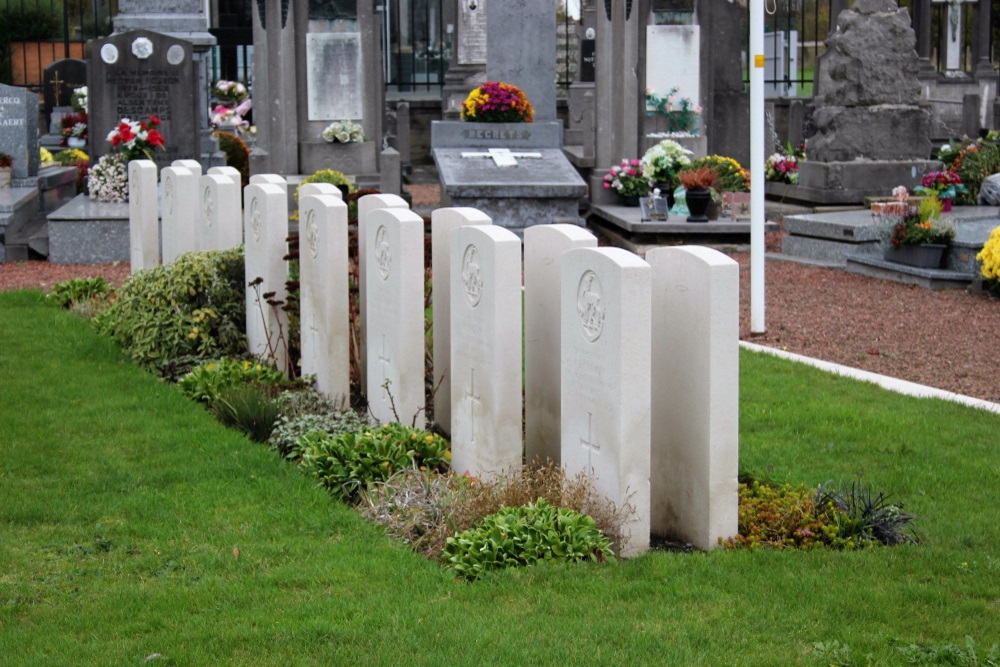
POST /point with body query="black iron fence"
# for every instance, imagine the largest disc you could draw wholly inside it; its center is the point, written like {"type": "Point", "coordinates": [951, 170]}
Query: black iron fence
{"type": "Point", "coordinates": [36, 33]}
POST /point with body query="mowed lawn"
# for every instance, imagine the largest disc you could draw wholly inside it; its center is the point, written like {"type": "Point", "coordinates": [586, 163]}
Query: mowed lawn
{"type": "Point", "coordinates": [132, 524]}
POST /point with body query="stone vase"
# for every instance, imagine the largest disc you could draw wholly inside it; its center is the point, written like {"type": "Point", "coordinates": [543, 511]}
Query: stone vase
{"type": "Point", "coordinates": [920, 255]}
{"type": "Point", "coordinates": [698, 200]}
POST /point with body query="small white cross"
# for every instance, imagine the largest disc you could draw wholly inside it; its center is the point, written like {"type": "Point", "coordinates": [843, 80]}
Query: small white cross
{"type": "Point", "coordinates": [384, 358]}
{"type": "Point", "coordinates": [502, 157]}
{"type": "Point", "coordinates": [588, 443]}
{"type": "Point", "coordinates": [474, 399]}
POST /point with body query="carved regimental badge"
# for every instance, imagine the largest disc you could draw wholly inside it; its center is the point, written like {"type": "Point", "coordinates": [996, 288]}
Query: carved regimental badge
{"type": "Point", "coordinates": [255, 218]}
{"type": "Point", "coordinates": [312, 233]}
{"type": "Point", "coordinates": [383, 252]}
{"type": "Point", "coordinates": [208, 203]}
{"type": "Point", "coordinates": [590, 306]}
{"type": "Point", "coordinates": [472, 275]}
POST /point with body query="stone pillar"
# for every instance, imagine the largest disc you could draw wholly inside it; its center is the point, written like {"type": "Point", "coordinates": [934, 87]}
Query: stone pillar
{"type": "Point", "coordinates": [521, 50]}
{"type": "Point", "coordinates": [617, 90]}
{"type": "Point", "coordinates": [726, 114]}
{"type": "Point", "coordinates": [981, 39]}
{"type": "Point", "coordinates": [276, 82]}
{"type": "Point", "coordinates": [922, 27]}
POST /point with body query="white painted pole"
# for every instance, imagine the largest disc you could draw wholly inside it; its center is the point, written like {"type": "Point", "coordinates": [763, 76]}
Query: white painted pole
{"type": "Point", "coordinates": [757, 167]}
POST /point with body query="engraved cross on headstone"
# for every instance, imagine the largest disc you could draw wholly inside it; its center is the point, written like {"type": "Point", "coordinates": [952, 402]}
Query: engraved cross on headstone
{"type": "Point", "coordinates": [314, 338]}
{"type": "Point", "coordinates": [589, 443]}
{"type": "Point", "coordinates": [475, 399]}
{"type": "Point", "coordinates": [502, 157]}
{"type": "Point", "coordinates": [384, 358]}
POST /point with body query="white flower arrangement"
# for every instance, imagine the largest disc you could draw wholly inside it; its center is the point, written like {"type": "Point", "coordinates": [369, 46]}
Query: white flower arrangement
{"type": "Point", "coordinates": [664, 159]}
{"type": "Point", "coordinates": [79, 99]}
{"type": "Point", "coordinates": [108, 179]}
{"type": "Point", "coordinates": [344, 132]}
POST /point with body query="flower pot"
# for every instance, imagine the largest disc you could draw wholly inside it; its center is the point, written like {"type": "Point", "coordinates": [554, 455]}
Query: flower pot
{"type": "Point", "coordinates": [698, 200]}
{"type": "Point", "coordinates": [946, 205]}
{"type": "Point", "coordinates": [76, 142]}
{"type": "Point", "coordinates": [921, 255]}
{"type": "Point", "coordinates": [630, 200]}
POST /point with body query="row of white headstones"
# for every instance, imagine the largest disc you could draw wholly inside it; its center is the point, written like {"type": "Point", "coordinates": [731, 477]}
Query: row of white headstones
{"type": "Point", "coordinates": [628, 367]}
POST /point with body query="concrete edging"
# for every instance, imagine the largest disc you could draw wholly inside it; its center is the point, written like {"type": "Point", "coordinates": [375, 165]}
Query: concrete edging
{"type": "Point", "coordinates": [892, 384]}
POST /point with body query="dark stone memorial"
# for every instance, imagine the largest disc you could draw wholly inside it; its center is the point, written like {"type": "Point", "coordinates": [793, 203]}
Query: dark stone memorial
{"type": "Point", "coordinates": [61, 78]}
{"type": "Point", "coordinates": [141, 73]}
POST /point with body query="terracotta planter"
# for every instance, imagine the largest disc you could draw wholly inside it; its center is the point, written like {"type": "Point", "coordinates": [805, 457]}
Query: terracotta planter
{"type": "Point", "coordinates": [921, 255]}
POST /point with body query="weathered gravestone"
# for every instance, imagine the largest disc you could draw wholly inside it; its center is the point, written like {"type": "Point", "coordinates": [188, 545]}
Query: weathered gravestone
{"type": "Point", "coordinates": [543, 246]}
{"type": "Point", "coordinates": [324, 292]}
{"type": "Point", "coordinates": [19, 133]}
{"type": "Point", "coordinates": [265, 228]}
{"type": "Point", "coordinates": [143, 215]}
{"type": "Point", "coordinates": [139, 74]}
{"type": "Point", "coordinates": [485, 352]}
{"type": "Point", "coordinates": [443, 222]}
{"type": "Point", "coordinates": [695, 390]}
{"type": "Point", "coordinates": [520, 50]}
{"type": "Point", "coordinates": [394, 294]}
{"type": "Point", "coordinates": [605, 421]}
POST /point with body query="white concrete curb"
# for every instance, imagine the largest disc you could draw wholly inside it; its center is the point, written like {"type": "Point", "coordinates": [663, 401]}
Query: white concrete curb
{"type": "Point", "coordinates": [884, 381]}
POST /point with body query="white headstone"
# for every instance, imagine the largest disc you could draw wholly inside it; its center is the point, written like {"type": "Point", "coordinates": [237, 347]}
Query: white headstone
{"type": "Point", "coordinates": [695, 426]}
{"type": "Point", "coordinates": [265, 225]}
{"type": "Point", "coordinates": [543, 245]}
{"type": "Point", "coordinates": [486, 350]}
{"type": "Point", "coordinates": [606, 379]}
{"type": "Point", "coordinates": [319, 189]}
{"type": "Point", "coordinates": [393, 283]}
{"type": "Point", "coordinates": [366, 205]}
{"type": "Point", "coordinates": [179, 212]}
{"type": "Point", "coordinates": [324, 318]}
{"type": "Point", "coordinates": [672, 60]}
{"type": "Point", "coordinates": [443, 222]}
{"type": "Point", "coordinates": [143, 217]}
{"type": "Point", "coordinates": [231, 172]}
{"type": "Point", "coordinates": [221, 213]}
{"type": "Point", "coordinates": [273, 179]}
{"type": "Point", "coordinates": [193, 165]}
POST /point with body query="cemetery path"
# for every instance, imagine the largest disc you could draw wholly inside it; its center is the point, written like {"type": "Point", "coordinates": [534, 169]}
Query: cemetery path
{"type": "Point", "coordinates": [945, 339]}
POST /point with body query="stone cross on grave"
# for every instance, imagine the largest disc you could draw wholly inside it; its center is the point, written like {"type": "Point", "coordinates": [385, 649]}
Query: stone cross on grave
{"type": "Point", "coordinates": [589, 442]}
{"type": "Point", "coordinates": [502, 157]}
{"type": "Point", "coordinates": [475, 399]}
{"type": "Point", "coordinates": [953, 34]}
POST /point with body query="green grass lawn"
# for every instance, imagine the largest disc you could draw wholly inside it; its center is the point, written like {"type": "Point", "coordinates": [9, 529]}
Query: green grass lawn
{"type": "Point", "coordinates": [121, 504]}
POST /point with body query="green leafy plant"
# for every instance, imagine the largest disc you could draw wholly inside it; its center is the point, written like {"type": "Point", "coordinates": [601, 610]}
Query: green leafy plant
{"type": "Point", "coordinates": [682, 114]}
{"type": "Point", "coordinates": [289, 432]}
{"type": "Point", "coordinates": [194, 308]}
{"type": "Point", "coordinates": [209, 380]}
{"type": "Point", "coordinates": [973, 162]}
{"type": "Point", "coordinates": [864, 516]}
{"type": "Point", "coordinates": [966, 654]}
{"type": "Point", "coordinates": [347, 463]}
{"type": "Point", "coordinates": [519, 536]}
{"type": "Point", "coordinates": [77, 290]}
{"type": "Point", "coordinates": [731, 176]}
{"type": "Point", "coordinates": [248, 407]}
{"type": "Point", "coordinates": [782, 517]}
{"type": "Point", "coordinates": [332, 177]}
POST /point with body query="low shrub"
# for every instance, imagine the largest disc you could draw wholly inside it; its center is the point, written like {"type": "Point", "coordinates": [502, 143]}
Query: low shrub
{"type": "Point", "coordinates": [248, 407]}
{"type": "Point", "coordinates": [193, 309]}
{"type": "Point", "coordinates": [864, 516]}
{"type": "Point", "coordinates": [79, 290]}
{"type": "Point", "coordinates": [973, 162]}
{"type": "Point", "coordinates": [732, 177]}
{"type": "Point", "coordinates": [332, 177]}
{"type": "Point", "coordinates": [519, 536]}
{"type": "Point", "coordinates": [347, 463]}
{"type": "Point", "coordinates": [425, 509]}
{"type": "Point", "coordinates": [206, 382]}
{"type": "Point", "coordinates": [289, 432]}
{"type": "Point", "coordinates": [237, 155]}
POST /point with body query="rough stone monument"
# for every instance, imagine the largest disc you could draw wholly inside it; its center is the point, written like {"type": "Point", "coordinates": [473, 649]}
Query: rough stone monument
{"type": "Point", "coordinates": [872, 133]}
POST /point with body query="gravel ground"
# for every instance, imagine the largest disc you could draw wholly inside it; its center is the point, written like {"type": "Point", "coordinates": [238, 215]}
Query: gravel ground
{"type": "Point", "coordinates": [944, 339]}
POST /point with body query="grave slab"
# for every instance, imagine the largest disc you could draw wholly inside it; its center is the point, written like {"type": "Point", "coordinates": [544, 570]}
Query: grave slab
{"type": "Point", "coordinates": [443, 222]}
{"type": "Point", "coordinates": [324, 293]}
{"type": "Point", "coordinates": [695, 389]}
{"type": "Point", "coordinates": [85, 231]}
{"type": "Point", "coordinates": [485, 352]}
{"type": "Point", "coordinates": [543, 247]}
{"type": "Point", "coordinates": [605, 395]}
{"type": "Point", "coordinates": [144, 217]}
{"type": "Point", "coordinates": [393, 278]}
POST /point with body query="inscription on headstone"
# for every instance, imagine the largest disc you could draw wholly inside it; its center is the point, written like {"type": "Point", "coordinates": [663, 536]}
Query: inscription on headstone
{"type": "Point", "coordinates": [334, 75]}
{"type": "Point", "coordinates": [472, 33]}
{"type": "Point", "coordinates": [19, 130]}
{"type": "Point", "coordinates": [139, 74]}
